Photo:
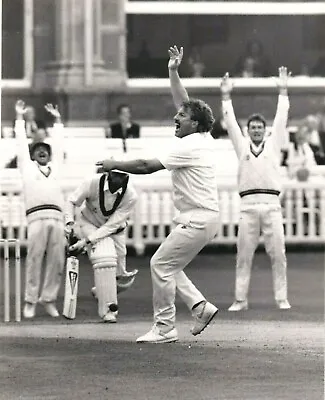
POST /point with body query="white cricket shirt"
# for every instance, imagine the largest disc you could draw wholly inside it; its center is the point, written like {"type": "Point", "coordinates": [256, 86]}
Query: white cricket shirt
{"type": "Point", "coordinates": [191, 161]}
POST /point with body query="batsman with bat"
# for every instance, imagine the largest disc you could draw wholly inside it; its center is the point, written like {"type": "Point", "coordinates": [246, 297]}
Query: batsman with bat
{"type": "Point", "coordinates": [106, 201]}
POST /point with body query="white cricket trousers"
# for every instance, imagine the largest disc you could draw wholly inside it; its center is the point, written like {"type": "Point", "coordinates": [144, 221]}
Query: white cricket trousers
{"type": "Point", "coordinates": [167, 264]}
{"type": "Point", "coordinates": [119, 242]}
{"type": "Point", "coordinates": [254, 219]}
{"type": "Point", "coordinates": [45, 238]}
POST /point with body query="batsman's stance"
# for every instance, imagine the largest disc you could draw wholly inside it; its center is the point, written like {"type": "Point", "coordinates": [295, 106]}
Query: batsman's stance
{"type": "Point", "coordinates": [107, 200]}
{"type": "Point", "coordinates": [44, 209]}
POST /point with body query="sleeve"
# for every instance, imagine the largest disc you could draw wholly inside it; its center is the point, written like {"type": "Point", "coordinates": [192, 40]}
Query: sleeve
{"type": "Point", "coordinates": [119, 218]}
{"type": "Point", "coordinates": [22, 144]}
{"type": "Point", "coordinates": [279, 127]}
{"type": "Point", "coordinates": [75, 199]}
{"type": "Point", "coordinates": [309, 156]}
{"type": "Point", "coordinates": [57, 146]}
{"type": "Point", "coordinates": [234, 131]}
{"type": "Point", "coordinates": [178, 157]}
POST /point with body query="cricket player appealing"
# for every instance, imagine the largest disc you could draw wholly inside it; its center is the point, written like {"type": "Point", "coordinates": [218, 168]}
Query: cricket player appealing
{"type": "Point", "coordinates": [259, 182]}
{"type": "Point", "coordinates": [107, 201]}
{"type": "Point", "coordinates": [191, 162]}
{"type": "Point", "coordinates": [44, 201]}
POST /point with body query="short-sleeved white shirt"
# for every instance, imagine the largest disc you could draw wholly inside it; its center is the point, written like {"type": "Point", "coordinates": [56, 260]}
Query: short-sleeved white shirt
{"type": "Point", "coordinates": [191, 161]}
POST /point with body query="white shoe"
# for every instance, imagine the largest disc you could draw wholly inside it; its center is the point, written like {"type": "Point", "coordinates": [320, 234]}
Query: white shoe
{"type": "Point", "coordinates": [110, 317]}
{"type": "Point", "coordinates": [203, 314]}
{"type": "Point", "coordinates": [238, 306]}
{"type": "Point", "coordinates": [283, 304]}
{"type": "Point", "coordinates": [29, 310]}
{"type": "Point", "coordinates": [51, 309]}
{"type": "Point", "coordinates": [155, 335]}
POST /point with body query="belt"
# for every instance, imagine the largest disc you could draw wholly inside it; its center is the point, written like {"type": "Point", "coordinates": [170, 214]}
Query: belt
{"type": "Point", "coordinates": [259, 191]}
{"type": "Point", "coordinates": [43, 207]}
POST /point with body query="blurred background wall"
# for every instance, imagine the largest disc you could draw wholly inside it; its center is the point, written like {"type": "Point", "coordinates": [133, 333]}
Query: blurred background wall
{"type": "Point", "coordinates": [80, 54]}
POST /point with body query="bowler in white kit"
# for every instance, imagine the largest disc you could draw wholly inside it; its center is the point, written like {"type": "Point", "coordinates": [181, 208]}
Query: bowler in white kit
{"type": "Point", "coordinates": [259, 182]}
{"type": "Point", "coordinates": [190, 159]}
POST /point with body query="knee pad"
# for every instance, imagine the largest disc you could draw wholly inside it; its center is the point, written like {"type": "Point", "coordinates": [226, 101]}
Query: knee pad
{"type": "Point", "coordinates": [103, 253]}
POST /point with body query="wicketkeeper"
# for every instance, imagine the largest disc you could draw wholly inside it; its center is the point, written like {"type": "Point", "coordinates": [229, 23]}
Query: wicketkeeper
{"type": "Point", "coordinates": [44, 203]}
{"type": "Point", "coordinates": [107, 201]}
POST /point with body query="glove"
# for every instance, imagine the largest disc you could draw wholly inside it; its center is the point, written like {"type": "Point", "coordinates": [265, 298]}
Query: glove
{"type": "Point", "coordinates": [71, 240]}
{"type": "Point", "coordinates": [68, 229]}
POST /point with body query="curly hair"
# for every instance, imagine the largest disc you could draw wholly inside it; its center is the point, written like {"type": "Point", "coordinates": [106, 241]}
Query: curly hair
{"type": "Point", "coordinates": [256, 117]}
{"type": "Point", "coordinates": [200, 112]}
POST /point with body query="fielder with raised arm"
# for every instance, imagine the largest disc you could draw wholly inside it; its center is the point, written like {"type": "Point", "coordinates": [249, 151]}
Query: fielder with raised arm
{"type": "Point", "coordinates": [107, 201]}
{"type": "Point", "coordinates": [44, 202]}
{"type": "Point", "coordinates": [259, 182]}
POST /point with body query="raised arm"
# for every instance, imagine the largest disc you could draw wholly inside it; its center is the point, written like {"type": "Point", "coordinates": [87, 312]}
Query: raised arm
{"type": "Point", "coordinates": [179, 92]}
{"type": "Point", "coordinates": [57, 136]}
{"type": "Point", "coordinates": [21, 136]}
{"type": "Point", "coordinates": [279, 128]}
{"type": "Point", "coordinates": [234, 131]}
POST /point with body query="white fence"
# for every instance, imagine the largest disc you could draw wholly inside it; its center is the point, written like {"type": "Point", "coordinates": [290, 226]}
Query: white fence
{"type": "Point", "coordinates": [303, 208]}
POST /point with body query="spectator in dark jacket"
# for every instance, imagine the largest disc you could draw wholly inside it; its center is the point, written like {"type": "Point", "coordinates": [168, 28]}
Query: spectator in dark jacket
{"type": "Point", "coordinates": [124, 127]}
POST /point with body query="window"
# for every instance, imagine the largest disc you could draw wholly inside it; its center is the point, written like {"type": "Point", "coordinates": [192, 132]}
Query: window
{"type": "Point", "coordinates": [250, 40]}
{"type": "Point", "coordinates": [17, 48]}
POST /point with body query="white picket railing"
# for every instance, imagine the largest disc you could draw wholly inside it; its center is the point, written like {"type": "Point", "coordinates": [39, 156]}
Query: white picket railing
{"type": "Point", "coordinates": [303, 208]}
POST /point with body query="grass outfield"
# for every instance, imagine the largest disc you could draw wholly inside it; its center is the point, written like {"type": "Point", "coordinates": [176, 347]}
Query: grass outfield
{"type": "Point", "coordinates": [260, 354]}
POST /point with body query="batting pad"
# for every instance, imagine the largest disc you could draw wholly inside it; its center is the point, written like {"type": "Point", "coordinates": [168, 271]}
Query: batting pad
{"type": "Point", "coordinates": [105, 282]}
{"type": "Point", "coordinates": [103, 253]}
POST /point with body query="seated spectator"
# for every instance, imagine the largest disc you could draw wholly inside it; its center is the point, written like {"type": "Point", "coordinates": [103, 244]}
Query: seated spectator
{"type": "Point", "coordinates": [125, 128]}
{"type": "Point", "coordinates": [253, 62]}
{"type": "Point", "coordinates": [300, 155]}
{"type": "Point", "coordinates": [313, 138]}
{"type": "Point", "coordinates": [196, 65]}
{"type": "Point", "coordinates": [31, 123]}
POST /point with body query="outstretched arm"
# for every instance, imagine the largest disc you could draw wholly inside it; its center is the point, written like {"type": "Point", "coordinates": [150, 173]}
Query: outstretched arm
{"type": "Point", "coordinates": [279, 128]}
{"type": "Point", "coordinates": [57, 136]}
{"type": "Point", "coordinates": [179, 92]}
{"type": "Point", "coordinates": [139, 166]}
{"type": "Point", "coordinates": [234, 131]}
{"type": "Point", "coordinates": [21, 137]}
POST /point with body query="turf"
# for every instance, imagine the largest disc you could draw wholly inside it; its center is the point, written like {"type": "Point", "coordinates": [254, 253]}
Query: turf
{"type": "Point", "coordinates": [260, 354]}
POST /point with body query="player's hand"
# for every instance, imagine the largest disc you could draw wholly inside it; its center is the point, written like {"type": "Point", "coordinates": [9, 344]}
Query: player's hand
{"type": "Point", "coordinates": [54, 111]}
{"type": "Point", "coordinates": [106, 165]}
{"type": "Point", "coordinates": [226, 85]}
{"type": "Point", "coordinates": [20, 107]}
{"type": "Point", "coordinates": [284, 76]}
{"type": "Point", "coordinates": [175, 57]}
{"type": "Point", "coordinates": [80, 245]}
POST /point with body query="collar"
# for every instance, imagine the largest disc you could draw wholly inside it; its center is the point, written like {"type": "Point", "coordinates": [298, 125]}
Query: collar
{"type": "Point", "coordinates": [106, 188]}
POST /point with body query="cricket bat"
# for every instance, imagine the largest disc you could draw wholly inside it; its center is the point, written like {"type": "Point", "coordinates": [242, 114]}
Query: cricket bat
{"type": "Point", "coordinates": [71, 288]}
